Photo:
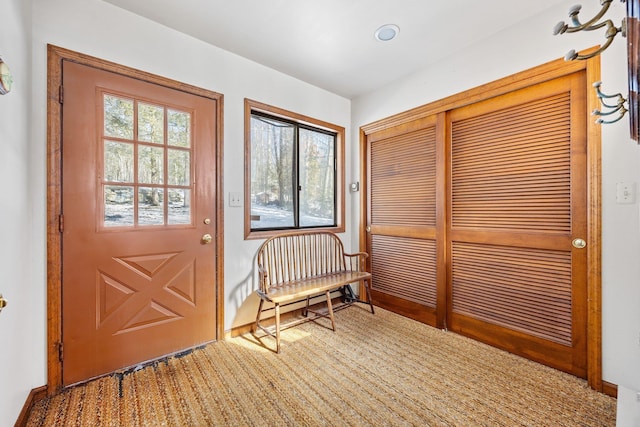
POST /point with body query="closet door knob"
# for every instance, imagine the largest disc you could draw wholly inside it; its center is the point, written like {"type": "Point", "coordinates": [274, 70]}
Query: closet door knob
{"type": "Point", "coordinates": [579, 243]}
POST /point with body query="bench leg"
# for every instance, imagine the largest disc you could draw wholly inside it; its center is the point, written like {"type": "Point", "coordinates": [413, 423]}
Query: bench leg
{"type": "Point", "coordinates": [330, 310]}
{"type": "Point", "coordinates": [305, 312]}
{"type": "Point", "coordinates": [367, 287]}
{"type": "Point", "coordinates": [277, 310]}
{"type": "Point", "coordinates": [255, 326]}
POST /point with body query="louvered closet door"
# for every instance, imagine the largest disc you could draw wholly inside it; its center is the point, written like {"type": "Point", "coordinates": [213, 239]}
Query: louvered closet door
{"type": "Point", "coordinates": [517, 200]}
{"type": "Point", "coordinates": [402, 237]}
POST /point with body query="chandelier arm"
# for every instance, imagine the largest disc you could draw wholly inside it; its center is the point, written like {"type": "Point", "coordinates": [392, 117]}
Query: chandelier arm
{"type": "Point", "coordinates": [584, 27]}
{"type": "Point", "coordinates": [562, 27]}
{"type": "Point", "coordinates": [617, 105]}
{"type": "Point", "coordinates": [620, 99]}
{"type": "Point", "coordinates": [602, 48]}
{"type": "Point", "coordinates": [608, 113]}
{"type": "Point", "coordinates": [619, 102]}
{"type": "Point", "coordinates": [617, 95]}
{"type": "Point", "coordinates": [573, 14]}
{"type": "Point", "coordinates": [623, 111]}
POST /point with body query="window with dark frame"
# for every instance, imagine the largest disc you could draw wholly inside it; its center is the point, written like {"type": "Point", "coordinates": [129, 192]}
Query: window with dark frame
{"type": "Point", "coordinates": [293, 169]}
{"type": "Point", "coordinates": [293, 172]}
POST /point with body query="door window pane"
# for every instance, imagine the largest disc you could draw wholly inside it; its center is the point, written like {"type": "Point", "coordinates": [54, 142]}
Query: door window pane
{"type": "Point", "coordinates": [150, 206]}
{"type": "Point", "coordinates": [179, 128]}
{"type": "Point", "coordinates": [118, 117]}
{"type": "Point", "coordinates": [118, 206]}
{"type": "Point", "coordinates": [272, 159]}
{"type": "Point", "coordinates": [147, 180]}
{"type": "Point", "coordinates": [179, 166]}
{"type": "Point", "coordinates": [118, 161]}
{"type": "Point", "coordinates": [150, 123]}
{"type": "Point", "coordinates": [317, 192]}
{"type": "Point", "coordinates": [150, 165]}
{"type": "Point", "coordinates": [179, 206]}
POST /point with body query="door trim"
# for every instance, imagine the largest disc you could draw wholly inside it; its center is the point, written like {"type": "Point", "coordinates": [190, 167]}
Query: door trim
{"type": "Point", "coordinates": [55, 57]}
{"type": "Point", "coordinates": [539, 74]}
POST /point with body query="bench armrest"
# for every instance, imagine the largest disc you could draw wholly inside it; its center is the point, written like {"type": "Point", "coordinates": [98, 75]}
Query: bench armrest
{"type": "Point", "coordinates": [356, 261]}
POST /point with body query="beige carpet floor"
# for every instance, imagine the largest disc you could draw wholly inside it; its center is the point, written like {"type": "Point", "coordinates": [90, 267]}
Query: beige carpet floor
{"type": "Point", "coordinates": [375, 370]}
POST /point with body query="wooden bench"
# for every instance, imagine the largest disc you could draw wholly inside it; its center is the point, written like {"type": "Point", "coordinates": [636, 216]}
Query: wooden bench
{"type": "Point", "coordinates": [294, 267]}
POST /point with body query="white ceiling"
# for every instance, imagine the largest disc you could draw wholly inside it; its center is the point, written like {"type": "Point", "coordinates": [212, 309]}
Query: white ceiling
{"type": "Point", "coordinates": [330, 43]}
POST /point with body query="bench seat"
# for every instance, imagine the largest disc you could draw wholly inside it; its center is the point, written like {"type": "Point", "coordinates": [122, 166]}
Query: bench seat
{"type": "Point", "coordinates": [294, 291]}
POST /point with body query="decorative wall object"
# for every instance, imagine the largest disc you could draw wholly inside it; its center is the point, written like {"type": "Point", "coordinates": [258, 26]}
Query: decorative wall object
{"type": "Point", "coordinates": [6, 79]}
{"type": "Point", "coordinates": [633, 48]}
{"type": "Point", "coordinates": [630, 29]}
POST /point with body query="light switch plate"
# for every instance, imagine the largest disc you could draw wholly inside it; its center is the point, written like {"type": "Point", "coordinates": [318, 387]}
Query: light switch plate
{"type": "Point", "coordinates": [626, 192]}
{"type": "Point", "coordinates": [235, 199]}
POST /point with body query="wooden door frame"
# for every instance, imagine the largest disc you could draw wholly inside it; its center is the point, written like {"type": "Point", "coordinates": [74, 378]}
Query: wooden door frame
{"type": "Point", "coordinates": [539, 74]}
{"type": "Point", "coordinates": [55, 57]}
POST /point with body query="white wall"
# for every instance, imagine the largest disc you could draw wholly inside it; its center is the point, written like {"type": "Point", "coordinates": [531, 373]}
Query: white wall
{"type": "Point", "coordinates": [628, 408]}
{"type": "Point", "coordinates": [526, 45]}
{"type": "Point", "coordinates": [22, 321]}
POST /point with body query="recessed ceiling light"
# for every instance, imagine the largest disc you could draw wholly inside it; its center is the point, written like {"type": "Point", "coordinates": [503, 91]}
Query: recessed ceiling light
{"type": "Point", "coordinates": [387, 32]}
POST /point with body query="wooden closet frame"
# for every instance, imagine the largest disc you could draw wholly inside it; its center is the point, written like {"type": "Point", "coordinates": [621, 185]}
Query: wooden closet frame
{"type": "Point", "coordinates": [536, 75]}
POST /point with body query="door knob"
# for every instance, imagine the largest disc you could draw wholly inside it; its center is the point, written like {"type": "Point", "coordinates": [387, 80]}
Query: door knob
{"type": "Point", "coordinates": [207, 239]}
{"type": "Point", "coordinates": [368, 229]}
{"type": "Point", "coordinates": [579, 243]}
{"type": "Point", "coordinates": [3, 302]}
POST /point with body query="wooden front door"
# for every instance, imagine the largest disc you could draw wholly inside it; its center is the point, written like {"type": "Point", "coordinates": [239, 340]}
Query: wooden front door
{"type": "Point", "coordinates": [472, 216]}
{"type": "Point", "coordinates": [138, 207]}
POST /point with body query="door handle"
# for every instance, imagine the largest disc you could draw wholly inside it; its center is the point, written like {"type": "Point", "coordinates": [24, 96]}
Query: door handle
{"type": "Point", "coordinates": [206, 239]}
{"type": "Point", "coordinates": [579, 243]}
{"type": "Point", "coordinates": [368, 229]}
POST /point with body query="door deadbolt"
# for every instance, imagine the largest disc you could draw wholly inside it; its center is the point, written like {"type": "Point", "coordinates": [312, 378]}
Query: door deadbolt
{"type": "Point", "coordinates": [579, 243]}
